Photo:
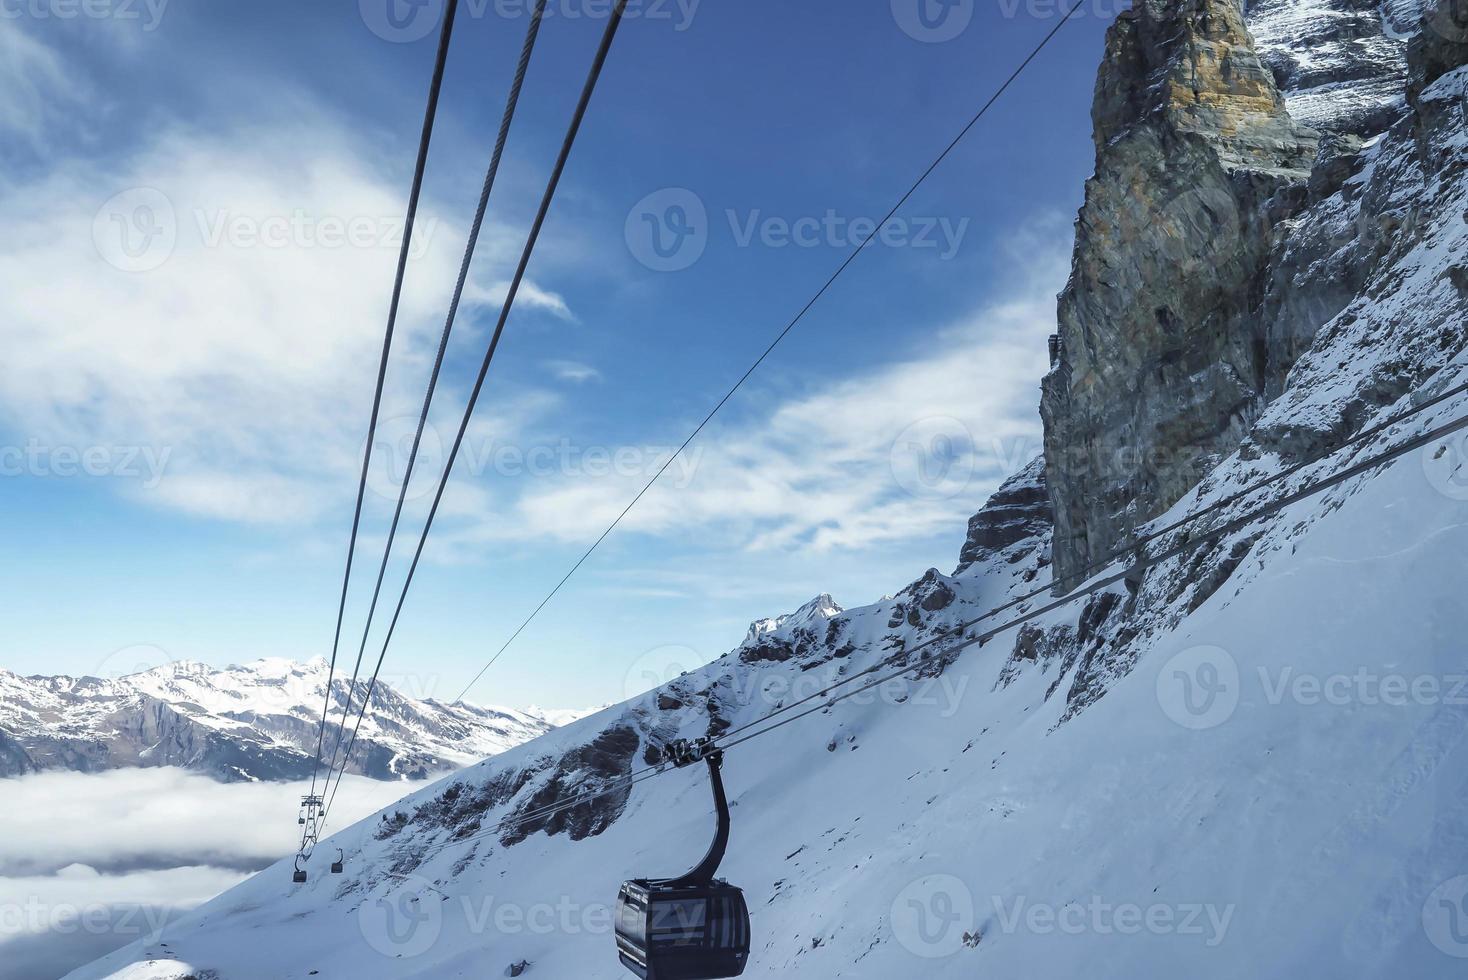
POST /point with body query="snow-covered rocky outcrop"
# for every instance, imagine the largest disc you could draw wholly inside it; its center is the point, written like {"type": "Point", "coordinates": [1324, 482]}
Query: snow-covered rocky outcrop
{"type": "Point", "coordinates": [1339, 63]}
{"type": "Point", "coordinates": [253, 722]}
{"type": "Point", "coordinates": [1250, 760]}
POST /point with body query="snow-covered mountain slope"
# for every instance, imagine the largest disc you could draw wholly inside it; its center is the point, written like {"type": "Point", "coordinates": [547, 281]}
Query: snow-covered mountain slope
{"type": "Point", "coordinates": [1340, 63]}
{"type": "Point", "coordinates": [1249, 761]}
{"type": "Point", "coordinates": [257, 721]}
{"type": "Point", "coordinates": [1265, 835]}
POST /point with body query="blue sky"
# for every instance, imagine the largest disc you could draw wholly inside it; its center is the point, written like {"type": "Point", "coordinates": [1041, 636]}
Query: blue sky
{"type": "Point", "coordinates": [181, 418]}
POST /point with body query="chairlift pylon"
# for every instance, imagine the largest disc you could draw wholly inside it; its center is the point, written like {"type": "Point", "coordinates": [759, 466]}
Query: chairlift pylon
{"type": "Point", "coordinates": [694, 927]}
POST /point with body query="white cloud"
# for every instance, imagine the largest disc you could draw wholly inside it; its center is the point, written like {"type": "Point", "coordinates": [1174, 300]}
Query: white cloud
{"type": "Point", "coordinates": [91, 862]}
{"type": "Point", "coordinates": [245, 360]}
{"type": "Point", "coordinates": [34, 85]}
{"type": "Point", "coordinates": [55, 923]}
{"type": "Point", "coordinates": [824, 469]}
{"type": "Point", "coordinates": [573, 371]}
{"type": "Point", "coordinates": [217, 299]}
{"type": "Point", "coordinates": [157, 819]}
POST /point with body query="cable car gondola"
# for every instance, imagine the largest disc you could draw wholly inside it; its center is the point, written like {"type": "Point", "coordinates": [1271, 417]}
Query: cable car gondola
{"type": "Point", "coordinates": [695, 927]}
{"type": "Point", "coordinates": [336, 866]}
{"type": "Point", "coordinates": [299, 877]}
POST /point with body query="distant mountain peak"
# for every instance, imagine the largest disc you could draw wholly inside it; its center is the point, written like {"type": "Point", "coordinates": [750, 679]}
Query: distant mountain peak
{"type": "Point", "coordinates": [819, 609]}
{"type": "Point", "coordinates": [254, 721]}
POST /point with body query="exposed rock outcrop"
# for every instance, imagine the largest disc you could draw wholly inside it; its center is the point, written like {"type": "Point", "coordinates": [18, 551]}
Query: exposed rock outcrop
{"type": "Point", "coordinates": [1363, 253]}
{"type": "Point", "coordinates": [1160, 369]}
{"type": "Point", "coordinates": [1018, 513]}
{"type": "Point", "coordinates": [1440, 46]}
{"type": "Point", "coordinates": [1340, 64]}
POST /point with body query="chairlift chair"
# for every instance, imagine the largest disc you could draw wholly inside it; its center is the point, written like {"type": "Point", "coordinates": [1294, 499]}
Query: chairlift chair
{"type": "Point", "coordinates": [695, 927]}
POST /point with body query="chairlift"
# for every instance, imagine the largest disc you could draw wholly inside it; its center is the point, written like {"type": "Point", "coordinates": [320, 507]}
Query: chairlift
{"type": "Point", "coordinates": [695, 927]}
{"type": "Point", "coordinates": [299, 877]}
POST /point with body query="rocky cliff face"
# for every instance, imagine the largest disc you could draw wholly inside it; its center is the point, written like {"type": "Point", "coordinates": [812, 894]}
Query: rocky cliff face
{"type": "Point", "coordinates": [1220, 235]}
{"type": "Point", "coordinates": [1198, 161]}
{"type": "Point", "coordinates": [1014, 523]}
{"type": "Point", "coordinates": [1258, 284]}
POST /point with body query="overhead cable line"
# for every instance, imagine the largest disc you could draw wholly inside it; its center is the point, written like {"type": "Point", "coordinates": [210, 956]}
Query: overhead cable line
{"type": "Point", "coordinates": [557, 171]}
{"type": "Point", "coordinates": [772, 720]}
{"type": "Point", "coordinates": [511, 104]}
{"type": "Point", "coordinates": [1134, 550]}
{"type": "Point", "coordinates": [429, 116]}
{"type": "Point", "coordinates": [825, 287]}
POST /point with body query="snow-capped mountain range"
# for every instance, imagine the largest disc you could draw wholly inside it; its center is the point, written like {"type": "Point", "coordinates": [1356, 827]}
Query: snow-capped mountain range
{"type": "Point", "coordinates": [1246, 760]}
{"type": "Point", "coordinates": [258, 721]}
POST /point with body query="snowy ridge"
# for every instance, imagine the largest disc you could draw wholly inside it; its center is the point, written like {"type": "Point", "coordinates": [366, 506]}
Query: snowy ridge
{"type": "Point", "coordinates": [257, 721]}
{"type": "Point", "coordinates": [818, 610]}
